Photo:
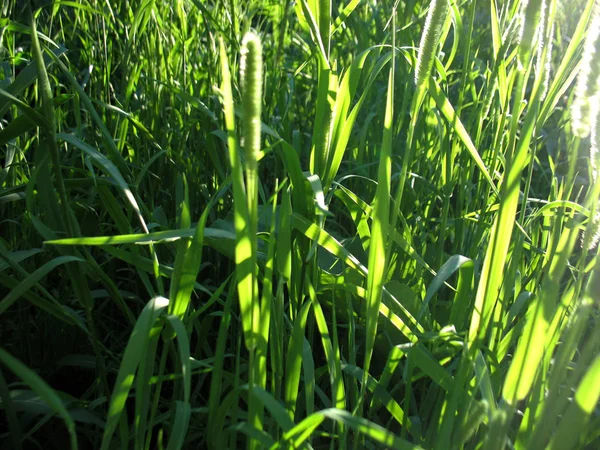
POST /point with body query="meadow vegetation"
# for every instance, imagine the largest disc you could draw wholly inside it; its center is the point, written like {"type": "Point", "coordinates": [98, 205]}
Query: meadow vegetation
{"type": "Point", "coordinates": [315, 224]}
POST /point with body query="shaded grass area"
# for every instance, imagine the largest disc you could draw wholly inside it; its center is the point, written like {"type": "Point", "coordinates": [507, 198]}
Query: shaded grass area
{"type": "Point", "coordinates": [311, 224]}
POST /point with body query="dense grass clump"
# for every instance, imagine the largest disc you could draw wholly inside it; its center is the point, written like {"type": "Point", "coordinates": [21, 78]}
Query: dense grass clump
{"type": "Point", "coordinates": [311, 224]}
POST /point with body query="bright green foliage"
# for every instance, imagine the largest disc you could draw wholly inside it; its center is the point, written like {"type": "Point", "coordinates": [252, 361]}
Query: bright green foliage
{"type": "Point", "coordinates": [305, 224]}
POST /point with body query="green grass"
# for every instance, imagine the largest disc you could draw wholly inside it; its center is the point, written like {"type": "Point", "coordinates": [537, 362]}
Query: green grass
{"type": "Point", "coordinates": [312, 224]}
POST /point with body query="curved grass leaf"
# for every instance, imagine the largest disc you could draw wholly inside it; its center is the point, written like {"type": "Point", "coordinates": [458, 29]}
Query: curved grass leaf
{"type": "Point", "coordinates": [40, 387]}
{"type": "Point", "coordinates": [136, 346]}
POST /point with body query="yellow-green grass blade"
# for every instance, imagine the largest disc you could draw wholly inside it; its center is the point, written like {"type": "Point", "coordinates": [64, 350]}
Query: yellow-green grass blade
{"type": "Point", "coordinates": [343, 15]}
{"type": "Point", "coordinates": [26, 78]}
{"type": "Point", "coordinates": [332, 355]}
{"type": "Point", "coordinates": [145, 239]}
{"type": "Point", "coordinates": [327, 242]}
{"type": "Point", "coordinates": [264, 324]}
{"type": "Point", "coordinates": [569, 65]}
{"type": "Point", "coordinates": [379, 229]}
{"type": "Point", "coordinates": [504, 222]}
{"type": "Point", "coordinates": [136, 346]}
{"type": "Point", "coordinates": [294, 362]}
{"type": "Point", "coordinates": [276, 409]}
{"type": "Point", "coordinates": [321, 137]}
{"type": "Point", "coordinates": [191, 265]}
{"type": "Point", "coordinates": [556, 397]}
{"type": "Point", "coordinates": [445, 107]}
{"type": "Point", "coordinates": [465, 268]}
{"type": "Point", "coordinates": [349, 199]}
{"type": "Point", "coordinates": [104, 164]}
{"type": "Point", "coordinates": [342, 121]}
{"type": "Point", "coordinates": [380, 393]}
{"type": "Point", "coordinates": [533, 341]}
{"type": "Point", "coordinates": [574, 421]}
{"type": "Point", "coordinates": [244, 257]}
{"type": "Point", "coordinates": [309, 11]}
{"type": "Point", "coordinates": [422, 356]}
{"type": "Point", "coordinates": [363, 426]}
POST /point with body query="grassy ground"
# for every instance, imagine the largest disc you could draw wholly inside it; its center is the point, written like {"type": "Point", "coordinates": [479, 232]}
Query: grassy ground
{"type": "Point", "coordinates": [312, 224]}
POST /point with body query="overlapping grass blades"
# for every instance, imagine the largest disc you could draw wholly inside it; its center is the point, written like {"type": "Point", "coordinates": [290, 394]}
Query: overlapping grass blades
{"type": "Point", "coordinates": [361, 224]}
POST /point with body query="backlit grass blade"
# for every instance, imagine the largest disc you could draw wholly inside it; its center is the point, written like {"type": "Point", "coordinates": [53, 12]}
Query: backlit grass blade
{"type": "Point", "coordinates": [145, 239]}
{"type": "Point", "coordinates": [191, 265]}
{"type": "Point", "coordinates": [244, 255]}
{"type": "Point", "coordinates": [365, 427]}
{"type": "Point", "coordinates": [130, 361]}
{"type": "Point", "coordinates": [294, 360]}
{"type": "Point", "coordinates": [277, 411]}
{"type": "Point", "coordinates": [531, 346]}
{"type": "Point", "coordinates": [26, 78]}
{"type": "Point", "coordinates": [465, 268]}
{"type": "Point", "coordinates": [564, 75]}
{"type": "Point", "coordinates": [380, 223]}
{"type": "Point", "coordinates": [575, 419]}
{"type": "Point", "coordinates": [447, 110]}
{"type": "Point", "coordinates": [342, 121]}
{"type": "Point", "coordinates": [264, 325]}
{"type": "Point", "coordinates": [332, 354]}
{"type": "Point", "coordinates": [498, 248]}
{"type": "Point", "coordinates": [109, 169]}
{"type": "Point", "coordinates": [380, 394]}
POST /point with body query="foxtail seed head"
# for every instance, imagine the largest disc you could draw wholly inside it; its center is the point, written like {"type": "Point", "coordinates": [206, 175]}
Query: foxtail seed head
{"type": "Point", "coordinates": [438, 10]}
{"type": "Point", "coordinates": [595, 162]}
{"type": "Point", "coordinates": [544, 45]}
{"type": "Point", "coordinates": [588, 80]}
{"type": "Point", "coordinates": [531, 26]}
{"type": "Point", "coordinates": [251, 79]}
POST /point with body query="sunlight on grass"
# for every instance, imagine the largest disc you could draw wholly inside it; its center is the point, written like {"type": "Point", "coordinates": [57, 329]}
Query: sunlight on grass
{"type": "Point", "coordinates": [300, 224]}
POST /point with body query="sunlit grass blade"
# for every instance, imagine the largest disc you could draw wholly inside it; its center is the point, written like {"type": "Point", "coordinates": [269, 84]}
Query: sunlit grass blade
{"type": "Point", "coordinates": [568, 433]}
{"type": "Point", "coordinates": [531, 346]}
{"type": "Point", "coordinates": [244, 255]}
{"type": "Point", "coordinates": [130, 361]}
{"type": "Point", "coordinates": [379, 226]}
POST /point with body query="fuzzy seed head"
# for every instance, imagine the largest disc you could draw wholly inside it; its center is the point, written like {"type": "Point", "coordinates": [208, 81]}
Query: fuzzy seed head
{"type": "Point", "coordinates": [587, 91]}
{"type": "Point", "coordinates": [251, 80]}
{"type": "Point", "coordinates": [532, 25]}
{"type": "Point", "coordinates": [595, 163]}
{"type": "Point", "coordinates": [438, 10]}
{"type": "Point", "coordinates": [548, 68]}
{"type": "Point", "coordinates": [544, 45]}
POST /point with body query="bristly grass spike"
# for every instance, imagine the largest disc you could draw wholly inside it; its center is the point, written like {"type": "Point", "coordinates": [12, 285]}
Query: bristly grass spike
{"type": "Point", "coordinates": [432, 30]}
